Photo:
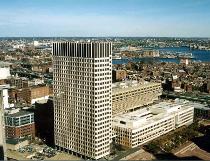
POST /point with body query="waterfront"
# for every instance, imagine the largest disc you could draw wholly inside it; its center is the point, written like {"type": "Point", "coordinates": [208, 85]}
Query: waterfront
{"type": "Point", "coordinates": [199, 55]}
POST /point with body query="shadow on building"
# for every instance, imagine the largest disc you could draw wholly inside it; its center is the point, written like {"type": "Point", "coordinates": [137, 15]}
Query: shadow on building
{"type": "Point", "coordinates": [44, 121]}
{"type": "Point", "coordinates": [170, 156]}
{"type": "Point", "coordinates": [1, 153]}
{"type": "Point", "coordinates": [203, 142]}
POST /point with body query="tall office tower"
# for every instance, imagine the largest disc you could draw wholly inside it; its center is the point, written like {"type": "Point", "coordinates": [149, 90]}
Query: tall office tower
{"type": "Point", "coordinates": [2, 127]}
{"type": "Point", "coordinates": [82, 97]}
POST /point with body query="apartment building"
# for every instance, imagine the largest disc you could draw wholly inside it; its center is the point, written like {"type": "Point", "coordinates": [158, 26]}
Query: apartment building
{"type": "Point", "coordinates": [33, 94]}
{"type": "Point", "coordinates": [19, 123]}
{"type": "Point", "coordinates": [129, 95]}
{"type": "Point", "coordinates": [82, 97]}
{"type": "Point", "coordinates": [136, 128]}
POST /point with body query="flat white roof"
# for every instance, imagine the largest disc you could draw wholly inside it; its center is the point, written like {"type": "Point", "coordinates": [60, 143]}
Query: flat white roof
{"type": "Point", "coordinates": [125, 86]}
{"type": "Point", "coordinates": [151, 114]}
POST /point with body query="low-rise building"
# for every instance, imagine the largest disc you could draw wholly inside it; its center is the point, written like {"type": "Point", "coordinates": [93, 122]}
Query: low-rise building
{"type": "Point", "coordinates": [138, 127]}
{"type": "Point", "coordinates": [201, 111]}
{"type": "Point", "coordinates": [19, 123]}
{"type": "Point", "coordinates": [129, 95]}
{"type": "Point", "coordinates": [40, 68]}
{"type": "Point", "coordinates": [33, 94]}
{"type": "Point", "coordinates": [16, 82]}
{"type": "Point", "coordinates": [35, 82]}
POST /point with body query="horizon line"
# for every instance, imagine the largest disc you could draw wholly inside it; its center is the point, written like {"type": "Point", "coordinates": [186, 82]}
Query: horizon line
{"type": "Point", "coordinates": [104, 37]}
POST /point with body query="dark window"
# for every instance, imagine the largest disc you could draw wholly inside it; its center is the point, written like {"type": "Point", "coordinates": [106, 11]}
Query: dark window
{"type": "Point", "coordinates": [123, 122]}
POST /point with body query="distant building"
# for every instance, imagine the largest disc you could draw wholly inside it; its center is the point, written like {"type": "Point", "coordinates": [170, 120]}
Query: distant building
{"type": "Point", "coordinates": [35, 82]}
{"type": "Point", "coordinates": [188, 87]}
{"type": "Point", "coordinates": [129, 95]}
{"type": "Point", "coordinates": [4, 72]}
{"type": "Point", "coordinates": [168, 85]}
{"type": "Point", "coordinates": [208, 86]}
{"type": "Point", "coordinates": [44, 68]}
{"type": "Point", "coordinates": [118, 75]}
{"type": "Point", "coordinates": [19, 123]}
{"type": "Point", "coordinates": [11, 58]}
{"type": "Point", "coordinates": [33, 94]}
{"type": "Point", "coordinates": [4, 90]}
{"type": "Point", "coordinates": [2, 128]}
{"type": "Point", "coordinates": [178, 89]}
{"type": "Point", "coordinates": [151, 53]}
{"type": "Point", "coordinates": [16, 82]}
{"type": "Point", "coordinates": [136, 128]}
{"type": "Point", "coordinates": [36, 43]}
{"type": "Point", "coordinates": [131, 48]}
{"type": "Point", "coordinates": [185, 61]}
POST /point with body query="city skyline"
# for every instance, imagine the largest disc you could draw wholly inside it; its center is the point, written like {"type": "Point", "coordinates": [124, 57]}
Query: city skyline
{"type": "Point", "coordinates": [132, 18]}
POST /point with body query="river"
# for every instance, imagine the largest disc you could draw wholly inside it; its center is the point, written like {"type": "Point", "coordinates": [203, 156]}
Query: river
{"type": "Point", "coordinates": [199, 55]}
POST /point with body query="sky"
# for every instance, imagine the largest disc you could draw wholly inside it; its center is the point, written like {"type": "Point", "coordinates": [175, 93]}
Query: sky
{"type": "Point", "coordinates": [98, 18]}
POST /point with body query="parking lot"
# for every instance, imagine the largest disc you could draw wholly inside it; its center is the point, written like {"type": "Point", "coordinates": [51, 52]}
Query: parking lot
{"type": "Point", "coordinates": [39, 152]}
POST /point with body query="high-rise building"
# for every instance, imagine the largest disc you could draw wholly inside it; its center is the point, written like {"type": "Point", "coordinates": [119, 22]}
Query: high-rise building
{"type": "Point", "coordinates": [83, 97]}
{"type": "Point", "coordinates": [2, 128]}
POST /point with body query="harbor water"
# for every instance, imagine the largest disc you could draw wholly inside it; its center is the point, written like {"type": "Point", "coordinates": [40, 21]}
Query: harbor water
{"type": "Point", "coordinates": [198, 55]}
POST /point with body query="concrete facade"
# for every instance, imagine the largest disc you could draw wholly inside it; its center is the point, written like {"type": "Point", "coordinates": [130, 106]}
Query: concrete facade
{"type": "Point", "coordinates": [2, 131]}
{"type": "Point", "coordinates": [82, 97]}
{"type": "Point", "coordinates": [130, 95]}
{"type": "Point", "coordinates": [136, 128]}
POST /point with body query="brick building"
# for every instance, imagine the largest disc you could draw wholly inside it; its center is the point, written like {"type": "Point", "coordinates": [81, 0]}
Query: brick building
{"type": "Point", "coordinates": [118, 75]}
{"type": "Point", "coordinates": [16, 82]}
{"type": "Point", "coordinates": [44, 68]}
{"type": "Point", "coordinates": [188, 87]}
{"type": "Point", "coordinates": [32, 94]}
{"type": "Point", "coordinates": [19, 123]}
